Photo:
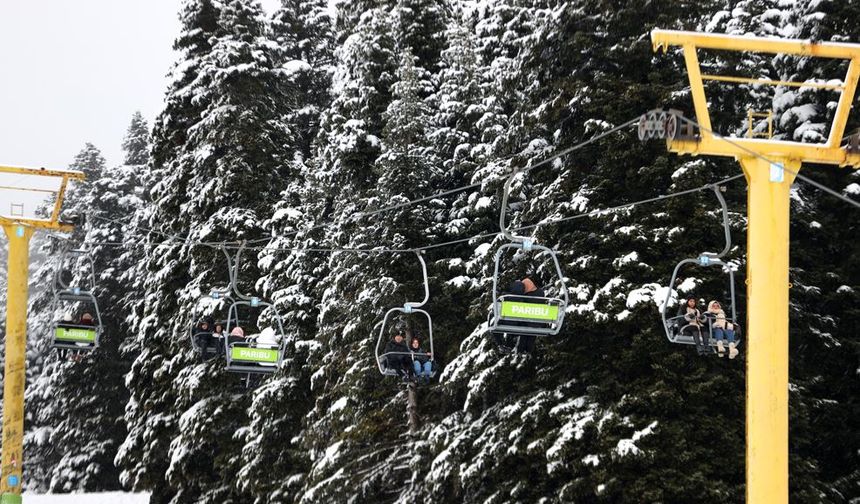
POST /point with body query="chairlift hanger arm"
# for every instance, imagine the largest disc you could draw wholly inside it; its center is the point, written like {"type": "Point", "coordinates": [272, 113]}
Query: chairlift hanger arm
{"type": "Point", "coordinates": [66, 254]}
{"type": "Point", "coordinates": [718, 190]}
{"type": "Point", "coordinates": [233, 270]}
{"type": "Point", "coordinates": [504, 209]}
{"type": "Point", "coordinates": [411, 305]}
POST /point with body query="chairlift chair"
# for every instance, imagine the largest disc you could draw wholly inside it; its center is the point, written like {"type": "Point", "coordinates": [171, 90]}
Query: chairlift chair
{"type": "Point", "coordinates": [408, 308]}
{"type": "Point", "coordinates": [75, 335]}
{"type": "Point", "coordinates": [253, 357]}
{"type": "Point", "coordinates": [544, 316]}
{"type": "Point", "coordinates": [677, 326]}
{"type": "Point", "coordinates": [250, 357]}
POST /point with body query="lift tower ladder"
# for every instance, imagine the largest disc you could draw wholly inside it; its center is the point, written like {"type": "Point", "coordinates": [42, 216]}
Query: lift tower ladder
{"type": "Point", "coordinates": [19, 230]}
{"type": "Point", "coordinates": [767, 165]}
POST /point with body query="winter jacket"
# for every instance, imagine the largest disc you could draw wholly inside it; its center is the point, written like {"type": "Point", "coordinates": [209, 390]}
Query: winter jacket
{"type": "Point", "coordinates": [267, 338]}
{"type": "Point", "coordinates": [719, 316]}
{"type": "Point", "coordinates": [397, 360]}
{"type": "Point", "coordinates": [692, 316]}
{"type": "Point", "coordinates": [538, 293]}
{"type": "Point", "coordinates": [419, 354]}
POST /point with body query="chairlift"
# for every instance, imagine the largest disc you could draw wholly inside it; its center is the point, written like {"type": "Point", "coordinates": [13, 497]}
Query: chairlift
{"type": "Point", "coordinates": [678, 329]}
{"type": "Point", "coordinates": [250, 357]}
{"type": "Point", "coordinates": [409, 309]}
{"type": "Point", "coordinates": [75, 335]}
{"type": "Point", "coordinates": [525, 315]}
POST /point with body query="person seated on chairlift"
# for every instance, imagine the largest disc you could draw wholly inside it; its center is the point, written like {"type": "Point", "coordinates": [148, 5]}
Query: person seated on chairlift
{"type": "Point", "coordinates": [237, 335]}
{"type": "Point", "coordinates": [724, 331]}
{"type": "Point", "coordinates": [421, 362]}
{"type": "Point", "coordinates": [694, 320]}
{"type": "Point", "coordinates": [67, 320]}
{"type": "Point", "coordinates": [526, 342]}
{"type": "Point", "coordinates": [86, 320]}
{"type": "Point", "coordinates": [267, 338]}
{"type": "Point", "coordinates": [218, 330]}
{"type": "Point", "coordinates": [203, 335]}
{"type": "Point", "coordinates": [514, 292]}
{"type": "Point", "coordinates": [399, 361]}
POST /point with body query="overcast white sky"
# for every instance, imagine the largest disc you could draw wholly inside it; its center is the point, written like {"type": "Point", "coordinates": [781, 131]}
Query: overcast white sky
{"type": "Point", "coordinates": [74, 71]}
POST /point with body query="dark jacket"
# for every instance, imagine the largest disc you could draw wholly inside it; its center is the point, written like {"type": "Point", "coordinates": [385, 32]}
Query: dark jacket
{"type": "Point", "coordinates": [419, 354]}
{"type": "Point", "coordinates": [537, 293]}
{"type": "Point", "coordinates": [394, 361]}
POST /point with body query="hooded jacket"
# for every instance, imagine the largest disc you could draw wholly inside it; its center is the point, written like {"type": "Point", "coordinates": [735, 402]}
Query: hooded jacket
{"type": "Point", "coordinates": [719, 316]}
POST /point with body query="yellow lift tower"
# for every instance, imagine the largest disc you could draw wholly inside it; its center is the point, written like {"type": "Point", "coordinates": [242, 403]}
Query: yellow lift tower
{"type": "Point", "coordinates": [767, 165]}
{"type": "Point", "coordinates": [19, 230]}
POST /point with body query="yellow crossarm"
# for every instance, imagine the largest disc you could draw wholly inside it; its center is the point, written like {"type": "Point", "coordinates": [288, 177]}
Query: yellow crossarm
{"type": "Point", "coordinates": [768, 82]}
{"type": "Point", "coordinates": [38, 224]}
{"type": "Point", "coordinates": [21, 170]}
{"type": "Point", "coordinates": [665, 38]}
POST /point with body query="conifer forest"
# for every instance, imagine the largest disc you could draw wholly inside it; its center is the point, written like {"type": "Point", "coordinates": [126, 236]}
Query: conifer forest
{"type": "Point", "coordinates": [314, 156]}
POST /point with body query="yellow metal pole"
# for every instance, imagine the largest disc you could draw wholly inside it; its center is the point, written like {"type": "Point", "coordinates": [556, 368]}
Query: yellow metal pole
{"type": "Point", "coordinates": [13, 379]}
{"type": "Point", "coordinates": [767, 329]}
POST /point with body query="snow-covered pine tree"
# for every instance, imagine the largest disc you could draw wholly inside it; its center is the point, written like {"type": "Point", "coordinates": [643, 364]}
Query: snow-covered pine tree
{"type": "Point", "coordinates": [348, 146]}
{"type": "Point", "coordinates": [218, 184]}
{"type": "Point", "coordinates": [361, 287]}
{"type": "Point", "coordinates": [820, 415]}
{"type": "Point", "coordinates": [419, 26]}
{"type": "Point", "coordinates": [305, 34]}
{"type": "Point", "coordinates": [349, 13]}
{"type": "Point", "coordinates": [135, 145]}
{"type": "Point", "coordinates": [75, 429]}
{"type": "Point", "coordinates": [569, 414]}
{"type": "Point", "coordinates": [148, 414]}
{"type": "Point", "coordinates": [467, 123]}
